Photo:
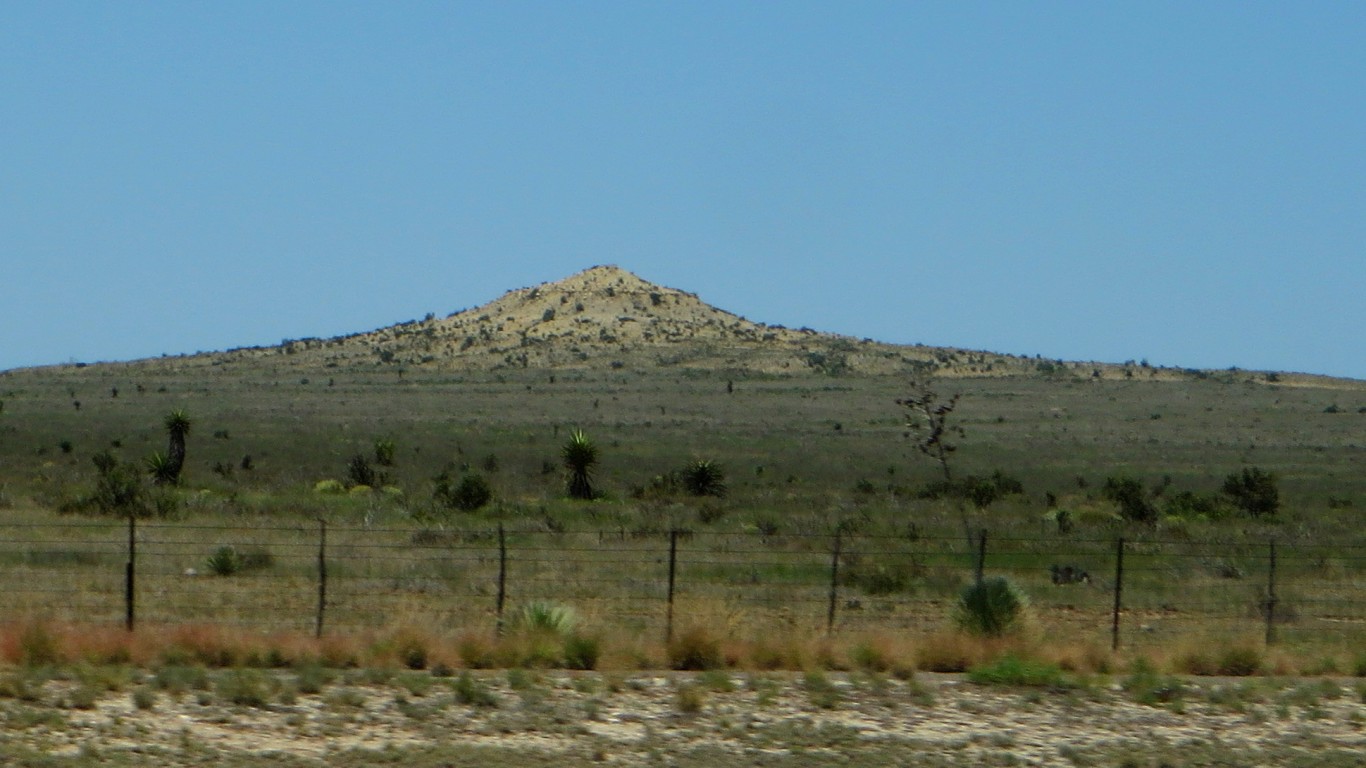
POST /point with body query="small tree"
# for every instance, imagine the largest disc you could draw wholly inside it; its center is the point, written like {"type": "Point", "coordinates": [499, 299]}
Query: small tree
{"type": "Point", "coordinates": [1254, 491]}
{"type": "Point", "coordinates": [579, 456]}
{"type": "Point", "coordinates": [928, 418]}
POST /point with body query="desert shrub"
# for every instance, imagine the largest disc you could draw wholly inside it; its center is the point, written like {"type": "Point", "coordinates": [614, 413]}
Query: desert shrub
{"type": "Point", "coordinates": [1188, 504]}
{"type": "Point", "coordinates": [991, 607]}
{"type": "Point", "coordinates": [359, 472]}
{"type": "Point", "coordinates": [580, 455]}
{"type": "Point", "coordinates": [1239, 661]}
{"type": "Point", "coordinates": [226, 560]}
{"type": "Point", "coordinates": [1254, 491]}
{"type": "Point", "coordinates": [704, 477]}
{"type": "Point", "coordinates": [1132, 498]}
{"type": "Point", "coordinates": [469, 690]}
{"type": "Point", "coordinates": [582, 651]}
{"type": "Point", "coordinates": [540, 616]}
{"type": "Point", "coordinates": [1013, 670]}
{"type": "Point", "coordinates": [981, 491]}
{"type": "Point", "coordinates": [384, 452]}
{"type": "Point", "coordinates": [471, 493]}
{"type": "Point", "coordinates": [880, 578]}
{"type": "Point", "coordinates": [695, 649]}
{"type": "Point", "coordinates": [1149, 688]}
{"type": "Point", "coordinates": [244, 687]}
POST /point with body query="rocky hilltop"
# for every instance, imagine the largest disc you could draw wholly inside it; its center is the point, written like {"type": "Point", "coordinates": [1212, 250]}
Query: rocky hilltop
{"type": "Point", "coordinates": [606, 317]}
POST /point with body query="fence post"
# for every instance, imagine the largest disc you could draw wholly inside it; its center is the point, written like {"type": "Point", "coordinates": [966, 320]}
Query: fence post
{"type": "Point", "coordinates": [128, 574]}
{"type": "Point", "coordinates": [502, 577]}
{"type": "Point", "coordinates": [834, 582]}
{"type": "Point", "coordinates": [673, 566]}
{"type": "Point", "coordinates": [1271, 596]}
{"type": "Point", "coordinates": [1119, 591]}
{"type": "Point", "coordinates": [322, 576]}
{"type": "Point", "coordinates": [981, 554]}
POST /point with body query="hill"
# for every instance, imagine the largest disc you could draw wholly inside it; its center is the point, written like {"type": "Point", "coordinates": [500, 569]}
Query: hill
{"type": "Point", "coordinates": [608, 318]}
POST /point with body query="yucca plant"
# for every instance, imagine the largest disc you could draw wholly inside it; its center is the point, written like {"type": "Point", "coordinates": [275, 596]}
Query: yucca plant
{"type": "Point", "coordinates": [542, 617]}
{"type": "Point", "coordinates": [177, 424]}
{"type": "Point", "coordinates": [579, 455]}
{"type": "Point", "coordinates": [160, 468]}
{"type": "Point", "coordinates": [704, 477]}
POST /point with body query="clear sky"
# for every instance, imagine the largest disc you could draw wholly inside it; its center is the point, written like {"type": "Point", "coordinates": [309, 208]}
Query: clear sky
{"type": "Point", "coordinates": [1182, 182]}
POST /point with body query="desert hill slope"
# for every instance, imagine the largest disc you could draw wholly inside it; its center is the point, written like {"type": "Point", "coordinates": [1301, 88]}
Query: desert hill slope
{"type": "Point", "coordinates": [606, 317]}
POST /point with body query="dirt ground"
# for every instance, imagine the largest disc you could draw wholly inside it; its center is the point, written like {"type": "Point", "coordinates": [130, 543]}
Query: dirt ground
{"type": "Point", "coordinates": [556, 718]}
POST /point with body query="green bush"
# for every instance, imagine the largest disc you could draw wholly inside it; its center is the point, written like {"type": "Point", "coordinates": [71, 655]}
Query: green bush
{"type": "Point", "coordinates": [471, 493]}
{"type": "Point", "coordinates": [1253, 491]}
{"type": "Point", "coordinates": [1012, 670]}
{"type": "Point", "coordinates": [704, 477]}
{"type": "Point", "coordinates": [1132, 499]}
{"type": "Point", "coordinates": [991, 608]}
{"type": "Point", "coordinates": [581, 651]}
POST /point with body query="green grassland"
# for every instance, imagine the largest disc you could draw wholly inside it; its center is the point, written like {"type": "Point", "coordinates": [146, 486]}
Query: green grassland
{"type": "Point", "coordinates": [804, 455]}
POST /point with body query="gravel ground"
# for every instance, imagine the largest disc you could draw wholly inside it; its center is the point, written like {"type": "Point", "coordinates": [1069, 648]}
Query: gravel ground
{"type": "Point", "coordinates": [555, 718]}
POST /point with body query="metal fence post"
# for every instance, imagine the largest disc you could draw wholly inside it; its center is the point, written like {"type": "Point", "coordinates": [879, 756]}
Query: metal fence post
{"type": "Point", "coordinates": [673, 567]}
{"type": "Point", "coordinates": [834, 583]}
{"type": "Point", "coordinates": [1119, 591]}
{"type": "Point", "coordinates": [128, 575]}
{"type": "Point", "coordinates": [322, 576]}
{"type": "Point", "coordinates": [981, 554]}
{"type": "Point", "coordinates": [502, 577]}
{"type": "Point", "coordinates": [1271, 596]}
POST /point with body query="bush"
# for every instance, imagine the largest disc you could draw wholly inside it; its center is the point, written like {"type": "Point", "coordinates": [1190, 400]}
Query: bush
{"type": "Point", "coordinates": [359, 472]}
{"type": "Point", "coordinates": [1132, 499]}
{"type": "Point", "coordinates": [1254, 491]}
{"type": "Point", "coordinates": [581, 652]}
{"type": "Point", "coordinates": [695, 649]}
{"type": "Point", "coordinates": [991, 608]}
{"type": "Point", "coordinates": [1012, 670]}
{"type": "Point", "coordinates": [704, 478]}
{"type": "Point", "coordinates": [470, 494]}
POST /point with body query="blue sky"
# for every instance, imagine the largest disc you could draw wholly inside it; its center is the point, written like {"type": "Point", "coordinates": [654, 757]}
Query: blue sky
{"type": "Point", "coordinates": [1181, 182]}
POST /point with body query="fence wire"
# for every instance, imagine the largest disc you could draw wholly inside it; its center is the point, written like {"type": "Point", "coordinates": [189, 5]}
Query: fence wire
{"type": "Point", "coordinates": [311, 578]}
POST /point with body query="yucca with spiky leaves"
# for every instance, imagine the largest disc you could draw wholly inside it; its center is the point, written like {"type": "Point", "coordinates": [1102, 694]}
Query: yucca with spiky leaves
{"type": "Point", "coordinates": [704, 477]}
{"type": "Point", "coordinates": [580, 455]}
{"type": "Point", "coordinates": [159, 467]}
{"type": "Point", "coordinates": [177, 424]}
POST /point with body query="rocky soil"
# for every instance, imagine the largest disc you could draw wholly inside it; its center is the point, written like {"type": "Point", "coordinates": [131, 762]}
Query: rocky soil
{"type": "Point", "coordinates": [558, 718]}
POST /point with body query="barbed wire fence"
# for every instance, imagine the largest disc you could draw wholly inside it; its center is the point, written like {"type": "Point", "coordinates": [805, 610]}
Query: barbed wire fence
{"type": "Point", "coordinates": [319, 578]}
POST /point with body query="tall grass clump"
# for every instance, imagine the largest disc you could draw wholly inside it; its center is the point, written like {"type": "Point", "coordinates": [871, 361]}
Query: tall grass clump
{"type": "Point", "coordinates": [991, 607]}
